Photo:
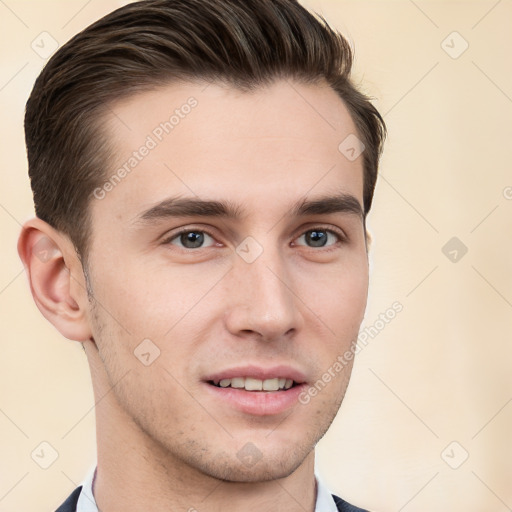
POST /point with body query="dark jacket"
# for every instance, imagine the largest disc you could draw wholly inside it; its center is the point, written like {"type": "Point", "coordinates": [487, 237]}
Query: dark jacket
{"type": "Point", "coordinates": [70, 504]}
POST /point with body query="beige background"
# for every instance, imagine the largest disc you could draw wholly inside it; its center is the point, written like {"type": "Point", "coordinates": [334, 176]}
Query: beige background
{"type": "Point", "coordinates": [439, 372]}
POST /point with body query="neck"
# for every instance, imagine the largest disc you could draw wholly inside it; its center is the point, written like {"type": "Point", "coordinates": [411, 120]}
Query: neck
{"type": "Point", "coordinates": [135, 473]}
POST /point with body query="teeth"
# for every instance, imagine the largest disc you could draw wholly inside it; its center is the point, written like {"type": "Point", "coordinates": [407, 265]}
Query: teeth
{"type": "Point", "coordinates": [238, 382]}
{"type": "Point", "coordinates": [250, 384]}
{"type": "Point", "coordinates": [271, 384]}
{"type": "Point", "coordinates": [253, 384]}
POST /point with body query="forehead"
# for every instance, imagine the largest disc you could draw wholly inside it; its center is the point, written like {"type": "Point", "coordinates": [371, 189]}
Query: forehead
{"type": "Point", "coordinates": [277, 142]}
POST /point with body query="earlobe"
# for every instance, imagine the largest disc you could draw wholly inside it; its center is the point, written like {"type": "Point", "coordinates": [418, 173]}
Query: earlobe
{"type": "Point", "coordinates": [51, 262]}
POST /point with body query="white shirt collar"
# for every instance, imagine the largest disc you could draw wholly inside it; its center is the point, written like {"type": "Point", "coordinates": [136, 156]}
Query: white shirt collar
{"type": "Point", "coordinates": [87, 503]}
{"type": "Point", "coordinates": [324, 499]}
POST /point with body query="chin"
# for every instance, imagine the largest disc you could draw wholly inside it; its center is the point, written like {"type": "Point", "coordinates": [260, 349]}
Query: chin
{"type": "Point", "coordinates": [249, 464]}
{"type": "Point", "coordinates": [261, 471]}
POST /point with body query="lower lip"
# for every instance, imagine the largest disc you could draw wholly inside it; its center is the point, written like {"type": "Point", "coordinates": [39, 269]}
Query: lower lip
{"type": "Point", "coordinates": [258, 403]}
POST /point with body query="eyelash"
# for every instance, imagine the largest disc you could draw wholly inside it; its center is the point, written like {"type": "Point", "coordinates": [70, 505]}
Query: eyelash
{"type": "Point", "coordinates": [342, 238]}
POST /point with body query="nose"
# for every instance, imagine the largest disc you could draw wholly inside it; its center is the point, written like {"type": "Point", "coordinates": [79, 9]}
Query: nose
{"type": "Point", "coordinates": [263, 303]}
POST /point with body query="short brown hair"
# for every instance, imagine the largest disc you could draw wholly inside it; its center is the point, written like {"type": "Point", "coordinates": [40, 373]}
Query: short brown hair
{"type": "Point", "coordinates": [246, 43]}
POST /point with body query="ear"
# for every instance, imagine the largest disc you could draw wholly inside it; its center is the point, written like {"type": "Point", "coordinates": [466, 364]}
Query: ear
{"type": "Point", "coordinates": [54, 270]}
{"type": "Point", "coordinates": [368, 240]}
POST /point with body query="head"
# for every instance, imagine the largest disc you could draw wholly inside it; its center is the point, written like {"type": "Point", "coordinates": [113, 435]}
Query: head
{"type": "Point", "coordinates": [202, 171]}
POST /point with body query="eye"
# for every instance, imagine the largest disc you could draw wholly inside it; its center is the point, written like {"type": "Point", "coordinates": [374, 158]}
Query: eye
{"type": "Point", "coordinates": [320, 237]}
{"type": "Point", "coordinates": [191, 239]}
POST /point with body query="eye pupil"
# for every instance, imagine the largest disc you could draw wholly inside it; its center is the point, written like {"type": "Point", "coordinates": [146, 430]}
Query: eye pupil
{"type": "Point", "coordinates": [318, 238]}
{"type": "Point", "coordinates": [192, 239]}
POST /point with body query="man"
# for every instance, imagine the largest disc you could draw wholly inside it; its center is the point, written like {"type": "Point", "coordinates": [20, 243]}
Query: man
{"type": "Point", "coordinates": [202, 171]}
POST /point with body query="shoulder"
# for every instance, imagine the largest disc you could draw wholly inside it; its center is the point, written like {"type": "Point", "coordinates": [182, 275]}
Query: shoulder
{"type": "Point", "coordinates": [70, 504]}
{"type": "Point", "coordinates": [343, 506]}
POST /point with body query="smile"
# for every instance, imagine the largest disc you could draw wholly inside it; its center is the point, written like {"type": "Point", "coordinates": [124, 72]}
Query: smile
{"type": "Point", "coordinates": [252, 384]}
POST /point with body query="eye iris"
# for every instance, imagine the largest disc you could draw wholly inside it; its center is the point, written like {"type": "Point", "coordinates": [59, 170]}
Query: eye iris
{"type": "Point", "coordinates": [192, 239]}
{"type": "Point", "coordinates": [317, 238]}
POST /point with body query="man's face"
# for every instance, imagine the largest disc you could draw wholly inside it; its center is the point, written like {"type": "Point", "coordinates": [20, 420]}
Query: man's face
{"type": "Point", "coordinates": [257, 289]}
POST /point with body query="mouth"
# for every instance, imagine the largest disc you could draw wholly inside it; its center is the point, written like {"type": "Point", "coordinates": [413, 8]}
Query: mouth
{"type": "Point", "coordinates": [271, 385]}
{"type": "Point", "coordinates": [255, 391]}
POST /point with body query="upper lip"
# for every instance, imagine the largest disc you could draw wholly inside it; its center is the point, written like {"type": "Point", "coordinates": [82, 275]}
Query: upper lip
{"type": "Point", "coordinates": [259, 372]}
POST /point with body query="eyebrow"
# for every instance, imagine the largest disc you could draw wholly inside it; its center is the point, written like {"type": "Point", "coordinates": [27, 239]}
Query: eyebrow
{"type": "Point", "coordinates": [196, 207]}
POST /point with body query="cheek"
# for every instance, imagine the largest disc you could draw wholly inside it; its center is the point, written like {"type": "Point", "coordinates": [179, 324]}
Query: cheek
{"type": "Point", "coordinates": [338, 295]}
{"type": "Point", "coordinates": [153, 299]}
